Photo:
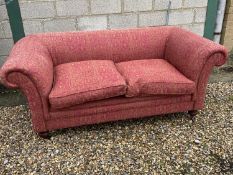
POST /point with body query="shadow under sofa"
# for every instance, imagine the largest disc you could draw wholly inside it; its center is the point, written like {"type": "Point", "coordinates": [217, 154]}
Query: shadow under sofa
{"type": "Point", "coordinates": [79, 78]}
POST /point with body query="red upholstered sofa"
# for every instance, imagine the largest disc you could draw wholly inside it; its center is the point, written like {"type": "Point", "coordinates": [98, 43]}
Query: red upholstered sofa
{"type": "Point", "coordinates": [79, 78]}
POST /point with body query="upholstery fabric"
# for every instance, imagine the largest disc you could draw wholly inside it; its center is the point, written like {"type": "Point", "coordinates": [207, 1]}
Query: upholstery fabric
{"type": "Point", "coordinates": [157, 99]}
{"type": "Point", "coordinates": [118, 103]}
{"type": "Point", "coordinates": [203, 80]}
{"type": "Point", "coordinates": [154, 76]}
{"type": "Point", "coordinates": [30, 68]}
{"type": "Point", "coordinates": [84, 81]}
{"type": "Point", "coordinates": [194, 56]}
{"type": "Point", "coordinates": [189, 52]}
{"type": "Point", "coordinates": [36, 103]}
{"type": "Point", "coordinates": [74, 119]}
{"type": "Point", "coordinates": [30, 57]}
{"type": "Point", "coordinates": [116, 45]}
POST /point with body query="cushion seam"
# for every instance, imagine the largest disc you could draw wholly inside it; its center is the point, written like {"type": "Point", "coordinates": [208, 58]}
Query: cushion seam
{"type": "Point", "coordinates": [141, 100]}
{"type": "Point", "coordinates": [131, 108]}
{"type": "Point", "coordinates": [90, 91]}
{"type": "Point", "coordinates": [168, 83]}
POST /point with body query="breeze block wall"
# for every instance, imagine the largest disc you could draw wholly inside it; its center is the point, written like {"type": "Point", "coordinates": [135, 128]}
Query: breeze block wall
{"type": "Point", "coordinates": [74, 15]}
{"type": "Point", "coordinates": [70, 15]}
{"type": "Point", "coordinates": [6, 41]}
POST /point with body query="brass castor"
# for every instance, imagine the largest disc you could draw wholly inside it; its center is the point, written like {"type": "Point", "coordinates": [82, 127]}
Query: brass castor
{"type": "Point", "coordinates": [44, 135]}
{"type": "Point", "coordinates": [193, 115]}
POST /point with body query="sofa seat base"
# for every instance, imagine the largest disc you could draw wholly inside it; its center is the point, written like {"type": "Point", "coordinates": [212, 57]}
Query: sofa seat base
{"type": "Point", "coordinates": [117, 108]}
{"type": "Point", "coordinates": [123, 114]}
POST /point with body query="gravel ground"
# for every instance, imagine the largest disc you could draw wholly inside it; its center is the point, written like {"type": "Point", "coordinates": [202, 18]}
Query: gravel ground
{"type": "Point", "coordinates": [165, 144]}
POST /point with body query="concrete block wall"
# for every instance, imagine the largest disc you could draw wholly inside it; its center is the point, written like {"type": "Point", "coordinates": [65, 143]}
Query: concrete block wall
{"type": "Point", "coordinates": [73, 15]}
{"type": "Point", "coordinates": [6, 41]}
{"type": "Point", "coordinates": [70, 15]}
{"type": "Point", "coordinates": [227, 37]}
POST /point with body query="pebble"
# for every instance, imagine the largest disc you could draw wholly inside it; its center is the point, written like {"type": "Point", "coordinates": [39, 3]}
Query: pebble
{"type": "Point", "coordinates": [197, 141]}
{"type": "Point", "coordinates": [5, 161]}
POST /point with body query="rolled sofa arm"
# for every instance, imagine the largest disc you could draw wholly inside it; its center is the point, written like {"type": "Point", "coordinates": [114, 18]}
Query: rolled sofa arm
{"type": "Point", "coordinates": [32, 59]}
{"type": "Point", "coordinates": [30, 68]}
{"type": "Point", "coordinates": [195, 57]}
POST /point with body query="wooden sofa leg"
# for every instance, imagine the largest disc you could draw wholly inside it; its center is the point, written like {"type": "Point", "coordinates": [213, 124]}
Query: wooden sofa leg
{"type": "Point", "coordinates": [193, 114]}
{"type": "Point", "coordinates": [44, 135]}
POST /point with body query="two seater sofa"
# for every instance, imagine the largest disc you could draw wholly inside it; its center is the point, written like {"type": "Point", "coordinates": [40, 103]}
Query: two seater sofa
{"type": "Point", "coordinates": [79, 78]}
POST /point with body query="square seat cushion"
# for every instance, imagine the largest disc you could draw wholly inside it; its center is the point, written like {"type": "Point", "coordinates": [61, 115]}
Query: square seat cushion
{"type": "Point", "coordinates": [154, 77]}
{"type": "Point", "coordinates": [80, 82]}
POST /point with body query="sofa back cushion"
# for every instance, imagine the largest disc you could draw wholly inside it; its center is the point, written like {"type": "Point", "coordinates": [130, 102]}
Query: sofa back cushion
{"type": "Point", "coordinates": [115, 45]}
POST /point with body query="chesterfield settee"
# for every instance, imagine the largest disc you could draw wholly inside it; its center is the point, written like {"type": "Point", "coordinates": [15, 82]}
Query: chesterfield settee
{"type": "Point", "coordinates": [79, 78]}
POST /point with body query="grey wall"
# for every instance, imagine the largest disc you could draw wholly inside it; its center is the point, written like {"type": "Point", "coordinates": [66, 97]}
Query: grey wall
{"type": "Point", "coordinates": [6, 41]}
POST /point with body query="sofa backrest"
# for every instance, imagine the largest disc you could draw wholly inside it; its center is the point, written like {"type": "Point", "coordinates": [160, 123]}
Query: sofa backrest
{"type": "Point", "coordinates": [116, 45]}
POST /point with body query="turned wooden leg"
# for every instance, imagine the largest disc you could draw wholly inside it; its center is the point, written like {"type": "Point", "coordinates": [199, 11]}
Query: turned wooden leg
{"type": "Point", "coordinates": [44, 135]}
{"type": "Point", "coordinates": [193, 115]}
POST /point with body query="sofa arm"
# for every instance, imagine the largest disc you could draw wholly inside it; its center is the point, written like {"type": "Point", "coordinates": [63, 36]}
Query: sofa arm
{"type": "Point", "coordinates": [199, 96]}
{"type": "Point", "coordinates": [30, 68]}
{"type": "Point", "coordinates": [189, 52]}
{"type": "Point", "coordinates": [31, 58]}
{"type": "Point", "coordinates": [195, 57]}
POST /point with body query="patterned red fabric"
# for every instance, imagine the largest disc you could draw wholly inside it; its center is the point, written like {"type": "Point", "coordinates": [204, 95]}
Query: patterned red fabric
{"type": "Point", "coordinates": [121, 100]}
{"type": "Point", "coordinates": [116, 45]}
{"type": "Point", "coordinates": [189, 52]}
{"type": "Point", "coordinates": [33, 59]}
{"type": "Point", "coordinates": [203, 80]}
{"type": "Point", "coordinates": [30, 68]}
{"type": "Point", "coordinates": [194, 56]}
{"type": "Point", "coordinates": [37, 105]}
{"type": "Point", "coordinates": [118, 103]}
{"type": "Point", "coordinates": [75, 119]}
{"type": "Point", "coordinates": [84, 81]}
{"type": "Point", "coordinates": [154, 76]}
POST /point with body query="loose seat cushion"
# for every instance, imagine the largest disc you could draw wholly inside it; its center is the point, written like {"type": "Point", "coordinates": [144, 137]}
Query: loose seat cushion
{"type": "Point", "coordinates": [80, 82]}
{"type": "Point", "coordinates": [153, 77]}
